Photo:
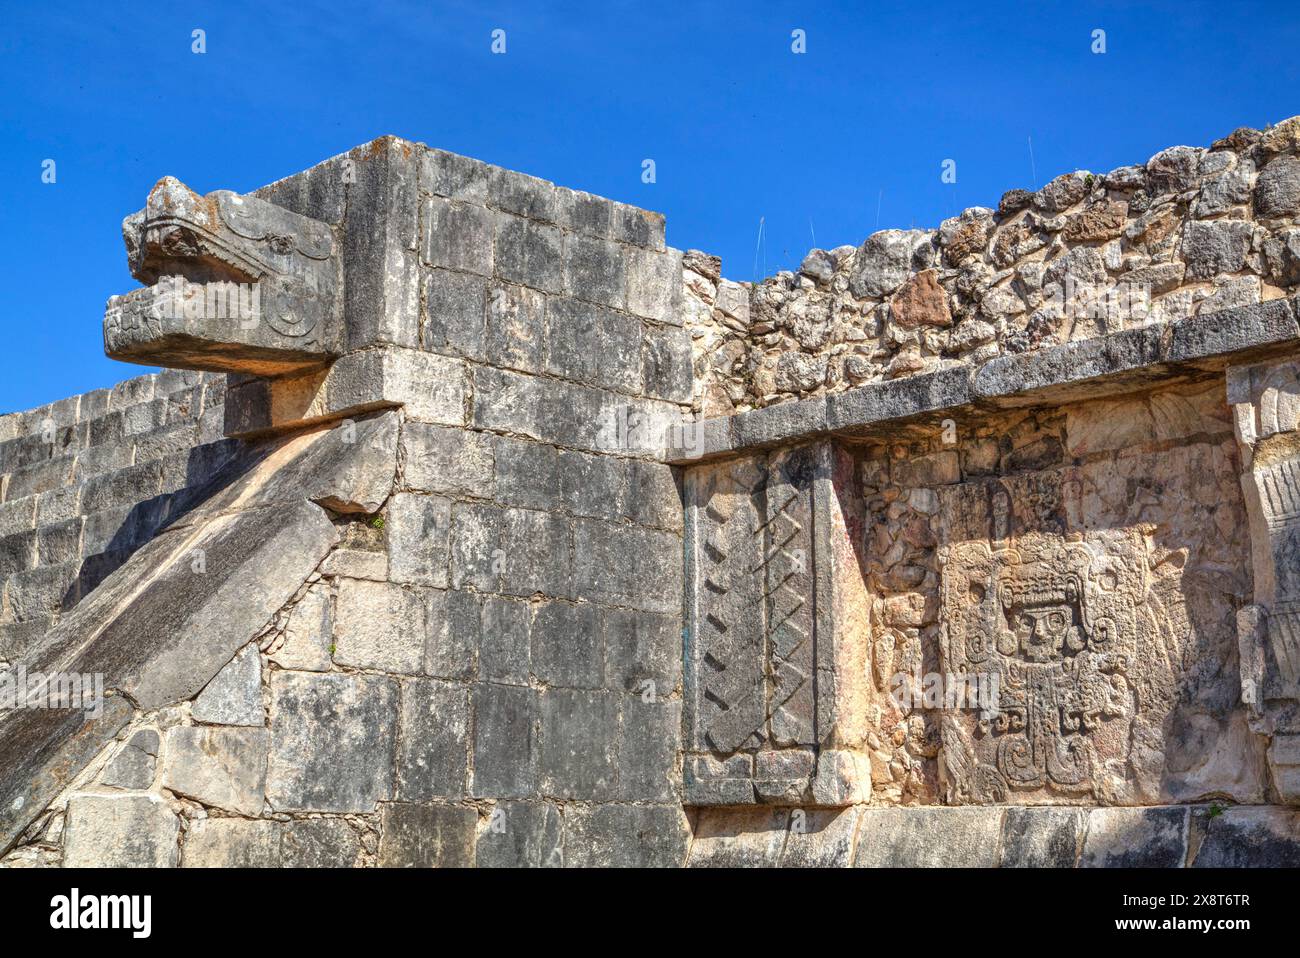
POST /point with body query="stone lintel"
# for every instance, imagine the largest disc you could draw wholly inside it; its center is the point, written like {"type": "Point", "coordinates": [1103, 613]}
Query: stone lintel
{"type": "Point", "coordinates": [431, 386]}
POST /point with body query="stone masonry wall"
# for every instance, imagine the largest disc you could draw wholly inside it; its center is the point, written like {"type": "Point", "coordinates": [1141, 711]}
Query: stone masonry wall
{"type": "Point", "coordinates": [493, 660]}
{"type": "Point", "coordinates": [1191, 231]}
{"type": "Point", "coordinates": [555, 609]}
{"type": "Point", "coordinates": [86, 480]}
{"type": "Point", "coordinates": [457, 609]}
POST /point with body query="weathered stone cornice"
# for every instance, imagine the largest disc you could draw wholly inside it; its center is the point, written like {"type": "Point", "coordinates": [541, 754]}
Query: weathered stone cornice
{"type": "Point", "coordinates": [1125, 361]}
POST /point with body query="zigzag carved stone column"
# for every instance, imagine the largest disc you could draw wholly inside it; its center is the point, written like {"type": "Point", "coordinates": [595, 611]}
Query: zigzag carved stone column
{"type": "Point", "coordinates": [768, 678]}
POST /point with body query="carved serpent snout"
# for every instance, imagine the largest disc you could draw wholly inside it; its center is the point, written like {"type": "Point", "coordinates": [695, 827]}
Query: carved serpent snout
{"type": "Point", "coordinates": [234, 284]}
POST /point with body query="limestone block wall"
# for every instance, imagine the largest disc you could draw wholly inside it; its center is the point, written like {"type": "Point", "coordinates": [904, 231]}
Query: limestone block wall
{"type": "Point", "coordinates": [87, 480]}
{"type": "Point", "coordinates": [1190, 232]}
{"type": "Point", "coordinates": [537, 532]}
{"type": "Point", "coordinates": [176, 637]}
{"type": "Point", "coordinates": [485, 667]}
{"type": "Point", "coordinates": [484, 671]}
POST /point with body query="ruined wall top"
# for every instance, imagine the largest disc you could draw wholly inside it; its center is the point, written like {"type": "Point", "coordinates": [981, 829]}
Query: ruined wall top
{"type": "Point", "coordinates": [1190, 232]}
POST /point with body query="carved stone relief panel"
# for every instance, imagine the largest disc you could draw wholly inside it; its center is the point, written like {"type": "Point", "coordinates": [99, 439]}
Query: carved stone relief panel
{"type": "Point", "coordinates": [1103, 598]}
{"type": "Point", "coordinates": [769, 684]}
{"type": "Point", "coordinates": [1265, 400]}
{"type": "Point", "coordinates": [1052, 625]}
{"type": "Point", "coordinates": [1075, 576]}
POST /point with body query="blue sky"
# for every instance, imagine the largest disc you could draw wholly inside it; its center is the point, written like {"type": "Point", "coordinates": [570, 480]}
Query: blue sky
{"type": "Point", "coordinates": [833, 143]}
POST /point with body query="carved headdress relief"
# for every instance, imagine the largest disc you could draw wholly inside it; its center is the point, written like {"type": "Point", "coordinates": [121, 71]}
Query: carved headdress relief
{"type": "Point", "coordinates": [1053, 624]}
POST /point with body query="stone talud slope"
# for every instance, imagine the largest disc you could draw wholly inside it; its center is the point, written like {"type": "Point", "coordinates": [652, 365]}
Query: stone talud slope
{"type": "Point", "coordinates": [501, 533]}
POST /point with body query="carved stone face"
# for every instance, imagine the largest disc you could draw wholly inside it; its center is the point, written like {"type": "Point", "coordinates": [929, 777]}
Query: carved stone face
{"type": "Point", "coordinates": [1041, 631]}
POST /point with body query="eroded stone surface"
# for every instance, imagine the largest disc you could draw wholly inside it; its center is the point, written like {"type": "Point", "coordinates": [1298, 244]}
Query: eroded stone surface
{"type": "Point", "coordinates": [928, 837]}
{"type": "Point", "coordinates": [427, 836]}
{"type": "Point", "coordinates": [522, 835]}
{"type": "Point", "coordinates": [308, 634]}
{"type": "Point", "coordinates": [234, 696]}
{"type": "Point", "coordinates": [1135, 837]}
{"type": "Point", "coordinates": [626, 836]}
{"type": "Point", "coordinates": [131, 831]}
{"type": "Point", "coordinates": [134, 765]}
{"type": "Point", "coordinates": [332, 741]}
{"type": "Point", "coordinates": [224, 767]}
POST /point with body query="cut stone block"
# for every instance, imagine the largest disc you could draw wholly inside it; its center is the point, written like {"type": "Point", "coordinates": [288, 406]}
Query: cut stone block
{"type": "Point", "coordinates": [505, 741]}
{"type": "Point", "coordinates": [224, 767]}
{"type": "Point", "coordinates": [739, 838]}
{"type": "Point", "coordinates": [308, 633]}
{"type": "Point", "coordinates": [433, 749]}
{"type": "Point", "coordinates": [1042, 837]}
{"type": "Point", "coordinates": [417, 530]}
{"type": "Point", "coordinates": [568, 645]}
{"type": "Point", "coordinates": [522, 835]}
{"type": "Point", "coordinates": [594, 270]}
{"type": "Point", "coordinates": [380, 625]}
{"type": "Point", "coordinates": [1135, 838]}
{"type": "Point", "coordinates": [318, 843]}
{"type": "Point", "coordinates": [133, 831]}
{"type": "Point", "coordinates": [529, 254]}
{"type": "Point", "coordinates": [504, 641]}
{"type": "Point", "coordinates": [928, 838]}
{"type": "Point", "coordinates": [134, 765]}
{"type": "Point", "coordinates": [625, 836]}
{"type": "Point", "coordinates": [427, 836]}
{"type": "Point", "coordinates": [332, 742]}
{"type": "Point", "coordinates": [515, 324]}
{"type": "Point", "coordinates": [458, 236]}
{"type": "Point", "coordinates": [1245, 837]}
{"type": "Point", "coordinates": [820, 838]}
{"type": "Point", "coordinates": [231, 843]}
{"type": "Point", "coordinates": [448, 461]}
{"type": "Point", "coordinates": [234, 696]}
{"type": "Point", "coordinates": [641, 648]}
{"type": "Point", "coordinates": [578, 744]}
{"type": "Point", "coordinates": [527, 474]}
{"type": "Point", "coordinates": [648, 749]}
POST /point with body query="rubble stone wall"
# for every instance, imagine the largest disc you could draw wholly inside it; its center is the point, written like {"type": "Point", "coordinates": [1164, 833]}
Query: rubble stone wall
{"type": "Point", "coordinates": [1192, 231]}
